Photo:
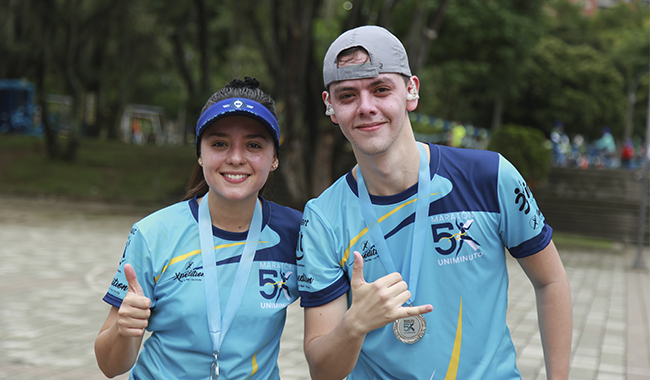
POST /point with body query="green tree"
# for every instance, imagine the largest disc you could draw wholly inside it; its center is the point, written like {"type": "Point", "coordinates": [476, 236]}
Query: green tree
{"type": "Point", "coordinates": [524, 147]}
{"type": "Point", "coordinates": [480, 58]}
{"type": "Point", "coordinates": [477, 60]}
{"type": "Point", "coordinates": [623, 34]}
{"type": "Point", "coordinates": [292, 37]}
{"type": "Point", "coordinates": [567, 22]}
{"type": "Point", "coordinates": [192, 54]}
{"type": "Point", "coordinates": [575, 84]}
{"type": "Point", "coordinates": [78, 48]}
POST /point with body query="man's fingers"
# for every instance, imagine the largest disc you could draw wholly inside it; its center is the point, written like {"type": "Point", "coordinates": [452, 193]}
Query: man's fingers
{"type": "Point", "coordinates": [410, 311]}
{"type": "Point", "coordinates": [132, 279]}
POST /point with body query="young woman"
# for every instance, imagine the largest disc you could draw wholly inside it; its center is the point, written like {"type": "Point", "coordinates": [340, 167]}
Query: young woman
{"type": "Point", "coordinates": [209, 277]}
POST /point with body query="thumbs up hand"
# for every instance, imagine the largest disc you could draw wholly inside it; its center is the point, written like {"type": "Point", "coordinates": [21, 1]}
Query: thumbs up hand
{"type": "Point", "coordinates": [133, 315]}
{"type": "Point", "coordinates": [379, 303]}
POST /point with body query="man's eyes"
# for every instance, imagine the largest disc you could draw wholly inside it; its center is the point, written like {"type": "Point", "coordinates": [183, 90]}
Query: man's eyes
{"type": "Point", "coordinates": [378, 90]}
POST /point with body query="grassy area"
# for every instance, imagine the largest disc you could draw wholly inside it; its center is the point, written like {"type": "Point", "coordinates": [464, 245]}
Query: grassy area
{"type": "Point", "coordinates": [103, 171]}
{"type": "Point", "coordinates": [112, 171]}
{"type": "Point", "coordinates": [569, 241]}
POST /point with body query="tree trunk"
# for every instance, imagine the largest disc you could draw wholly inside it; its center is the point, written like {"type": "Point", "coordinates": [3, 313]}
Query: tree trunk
{"type": "Point", "coordinates": [420, 51]}
{"type": "Point", "coordinates": [629, 114]}
{"type": "Point", "coordinates": [322, 173]}
{"type": "Point", "coordinates": [72, 139]}
{"type": "Point", "coordinates": [71, 69]}
{"type": "Point", "coordinates": [497, 112]}
{"type": "Point", "coordinates": [51, 143]}
{"type": "Point", "coordinates": [204, 45]}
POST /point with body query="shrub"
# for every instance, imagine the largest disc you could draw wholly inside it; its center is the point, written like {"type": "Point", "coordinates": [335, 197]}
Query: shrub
{"type": "Point", "coordinates": [526, 149]}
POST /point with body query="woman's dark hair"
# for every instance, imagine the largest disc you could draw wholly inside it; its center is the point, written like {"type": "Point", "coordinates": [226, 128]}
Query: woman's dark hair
{"type": "Point", "coordinates": [247, 89]}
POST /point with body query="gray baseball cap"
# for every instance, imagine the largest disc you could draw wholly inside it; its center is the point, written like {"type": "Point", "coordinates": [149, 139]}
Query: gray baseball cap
{"type": "Point", "coordinates": [387, 55]}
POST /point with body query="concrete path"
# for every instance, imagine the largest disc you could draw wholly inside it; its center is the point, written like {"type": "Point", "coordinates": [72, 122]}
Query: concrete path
{"type": "Point", "coordinates": [57, 259]}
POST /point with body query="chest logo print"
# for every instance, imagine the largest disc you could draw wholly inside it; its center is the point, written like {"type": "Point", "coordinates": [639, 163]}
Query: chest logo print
{"type": "Point", "coordinates": [449, 242]}
{"type": "Point", "coordinates": [274, 284]}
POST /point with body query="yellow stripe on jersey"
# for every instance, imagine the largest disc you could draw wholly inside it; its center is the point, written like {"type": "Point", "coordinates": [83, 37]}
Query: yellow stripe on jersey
{"type": "Point", "coordinates": [346, 254]}
{"type": "Point", "coordinates": [175, 260]}
{"type": "Point", "coordinates": [254, 360]}
{"type": "Point", "coordinates": [254, 363]}
{"type": "Point", "coordinates": [354, 240]}
{"type": "Point", "coordinates": [196, 252]}
{"type": "Point", "coordinates": [452, 371]}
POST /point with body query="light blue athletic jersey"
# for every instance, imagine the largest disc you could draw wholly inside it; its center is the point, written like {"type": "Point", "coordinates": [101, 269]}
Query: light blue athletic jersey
{"type": "Point", "coordinates": [479, 205]}
{"type": "Point", "coordinates": [165, 250]}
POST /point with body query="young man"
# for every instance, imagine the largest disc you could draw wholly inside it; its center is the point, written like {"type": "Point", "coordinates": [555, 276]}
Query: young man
{"type": "Point", "coordinates": [411, 282]}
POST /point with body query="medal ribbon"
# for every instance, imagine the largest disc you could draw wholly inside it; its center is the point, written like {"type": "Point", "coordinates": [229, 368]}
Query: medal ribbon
{"type": "Point", "coordinates": [218, 325]}
{"type": "Point", "coordinates": [419, 229]}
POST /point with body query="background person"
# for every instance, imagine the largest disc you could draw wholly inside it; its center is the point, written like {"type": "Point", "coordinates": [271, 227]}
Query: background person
{"type": "Point", "coordinates": [561, 144]}
{"type": "Point", "coordinates": [627, 154]}
{"type": "Point", "coordinates": [425, 247]}
{"type": "Point", "coordinates": [163, 281]}
{"type": "Point", "coordinates": [606, 147]}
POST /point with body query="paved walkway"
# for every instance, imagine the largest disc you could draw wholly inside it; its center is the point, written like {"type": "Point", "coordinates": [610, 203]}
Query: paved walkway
{"type": "Point", "coordinates": [58, 258]}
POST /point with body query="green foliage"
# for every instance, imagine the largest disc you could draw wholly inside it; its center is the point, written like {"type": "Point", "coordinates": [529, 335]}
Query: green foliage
{"type": "Point", "coordinates": [574, 84]}
{"type": "Point", "coordinates": [425, 126]}
{"type": "Point", "coordinates": [567, 22]}
{"type": "Point", "coordinates": [481, 55]}
{"type": "Point", "coordinates": [105, 171]}
{"type": "Point", "coordinates": [525, 148]}
{"type": "Point", "coordinates": [624, 36]}
{"type": "Point", "coordinates": [621, 35]}
{"type": "Point", "coordinates": [486, 54]}
{"type": "Point", "coordinates": [621, 16]}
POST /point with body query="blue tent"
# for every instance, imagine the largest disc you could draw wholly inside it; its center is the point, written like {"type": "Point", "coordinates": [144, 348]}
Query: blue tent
{"type": "Point", "coordinates": [17, 107]}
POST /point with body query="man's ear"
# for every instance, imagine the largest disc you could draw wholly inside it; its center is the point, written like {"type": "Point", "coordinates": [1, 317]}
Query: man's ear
{"type": "Point", "coordinates": [412, 93]}
{"type": "Point", "coordinates": [329, 110]}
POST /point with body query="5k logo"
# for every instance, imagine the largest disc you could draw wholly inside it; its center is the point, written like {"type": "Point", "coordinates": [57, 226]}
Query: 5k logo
{"type": "Point", "coordinates": [453, 242]}
{"type": "Point", "coordinates": [274, 283]}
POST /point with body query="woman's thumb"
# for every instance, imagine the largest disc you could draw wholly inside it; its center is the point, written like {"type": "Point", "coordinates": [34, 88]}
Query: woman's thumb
{"type": "Point", "coordinates": [132, 279]}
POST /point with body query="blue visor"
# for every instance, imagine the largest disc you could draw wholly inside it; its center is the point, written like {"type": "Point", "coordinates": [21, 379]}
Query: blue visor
{"type": "Point", "coordinates": [243, 107]}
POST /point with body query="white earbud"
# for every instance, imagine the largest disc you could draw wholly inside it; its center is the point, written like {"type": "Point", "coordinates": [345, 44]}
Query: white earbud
{"type": "Point", "coordinates": [413, 93]}
{"type": "Point", "coordinates": [329, 111]}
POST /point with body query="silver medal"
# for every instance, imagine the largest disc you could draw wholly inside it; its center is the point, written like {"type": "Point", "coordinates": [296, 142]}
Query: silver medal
{"type": "Point", "coordinates": [410, 329]}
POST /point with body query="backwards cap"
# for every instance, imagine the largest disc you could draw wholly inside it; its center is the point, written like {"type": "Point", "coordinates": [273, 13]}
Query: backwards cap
{"type": "Point", "coordinates": [387, 55]}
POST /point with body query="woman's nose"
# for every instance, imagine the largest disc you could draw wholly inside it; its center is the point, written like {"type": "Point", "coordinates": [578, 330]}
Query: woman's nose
{"type": "Point", "coordinates": [236, 155]}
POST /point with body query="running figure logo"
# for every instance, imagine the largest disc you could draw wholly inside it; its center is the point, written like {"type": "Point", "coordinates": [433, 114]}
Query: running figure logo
{"type": "Point", "coordinates": [282, 285]}
{"type": "Point", "coordinates": [464, 238]}
{"type": "Point", "coordinates": [456, 240]}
